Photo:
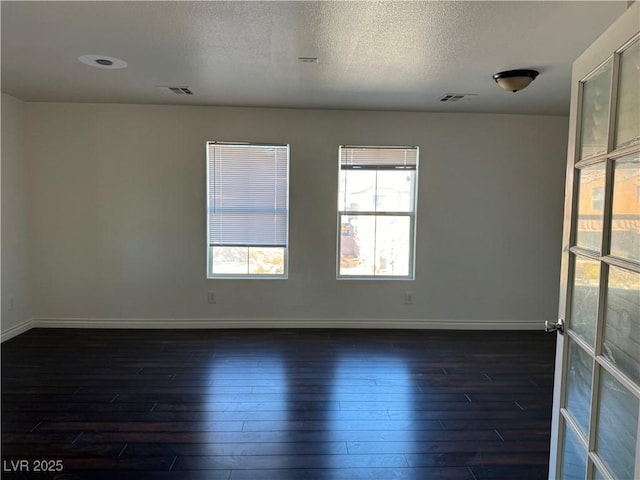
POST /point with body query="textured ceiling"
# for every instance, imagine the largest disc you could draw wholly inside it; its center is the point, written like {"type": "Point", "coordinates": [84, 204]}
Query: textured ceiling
{"type": "Point", "coordinates": [372, 55]}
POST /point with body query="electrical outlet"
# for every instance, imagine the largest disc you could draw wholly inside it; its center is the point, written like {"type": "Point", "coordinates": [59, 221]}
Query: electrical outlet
{"type": "Point", "coordinates": [408, 298]}
{"type": "Point", "coordinates": [211, 297]}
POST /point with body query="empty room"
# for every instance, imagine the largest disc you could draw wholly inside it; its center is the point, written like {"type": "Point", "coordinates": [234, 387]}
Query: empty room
{"type": "Point", "coordinates": [320, 240]}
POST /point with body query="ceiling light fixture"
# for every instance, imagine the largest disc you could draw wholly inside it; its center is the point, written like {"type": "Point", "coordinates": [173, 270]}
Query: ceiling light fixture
{"type": "Point", "coordinates": [514, 80]}
{"type": "Point", "coordinates": [103, 61]}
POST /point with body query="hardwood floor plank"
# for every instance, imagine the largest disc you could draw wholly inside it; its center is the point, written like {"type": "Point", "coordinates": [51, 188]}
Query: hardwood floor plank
{"type": "Point", "coordinates": [245, 406]}
{"type": "Point", "coordinates": [118, 463]}
{"type": "Point", "coordinates": [471, 458]}
{"type": "Point", "coordinates": [207, 416]}
{"type": "Point", "coordinates": [450, 473]}
{"type": "Point", "coordinates": [139, 475]}
{"type": "Point", "coordinates": [502, 472]}
{"type": "Point", "coordinates": [411, 446]}
{"type": "Point", "coordinates": [270, 462]}
{"type": "Point", "coordinates": [62, 450]}
{"type": "Point", "coordinates": [490, 424]}
{"type": "Point", "coordinates": [238, 449]}
{"type": "Point", "coordinates": [332, 425]}
{"type": "Point", "coordinates": [280, 436]}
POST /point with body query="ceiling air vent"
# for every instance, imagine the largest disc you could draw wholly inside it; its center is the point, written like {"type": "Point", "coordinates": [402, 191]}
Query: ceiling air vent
{"type": "Point", "coordinates": [308, 59]}
{"type": "Point", "coordinates": [177, 90]}
{"type": "Point", "coordinates": [455, 97]}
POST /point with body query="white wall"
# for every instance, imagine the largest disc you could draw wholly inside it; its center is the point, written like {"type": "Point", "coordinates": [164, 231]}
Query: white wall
{"type": "Point", "coordinates": [16, 299]}
{"type": "Point", "coordinates": [118, 218]}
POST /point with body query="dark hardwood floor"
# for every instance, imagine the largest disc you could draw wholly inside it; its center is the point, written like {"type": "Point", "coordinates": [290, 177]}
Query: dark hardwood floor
{"type": "Point", "coordinates": [276, 404]}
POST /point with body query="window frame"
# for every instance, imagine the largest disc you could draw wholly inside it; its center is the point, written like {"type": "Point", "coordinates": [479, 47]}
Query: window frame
{"type": "Point", "coordinates": [211, 275]}
{"type": "Point", "coordinates": [412, 215]}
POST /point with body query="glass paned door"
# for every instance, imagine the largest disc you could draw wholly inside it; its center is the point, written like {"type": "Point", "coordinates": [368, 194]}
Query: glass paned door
{"type": "Point", "coordinates": [597, 398]}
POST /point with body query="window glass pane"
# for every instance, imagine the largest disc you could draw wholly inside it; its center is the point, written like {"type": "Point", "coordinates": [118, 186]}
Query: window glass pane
{"type": "Point", "coordinates": [357, 244]}
{"type": "Point", "coordinates": [359, 191]}
{"type": "Point", "coordinates": [375, 245]}
{"type": "Point", "coordinates": [597, 199]}
{"type": "Point", "coordinates": [393, 245]}
{"type": "Point", "coordinates": [625, 222]}
{"type": "Point", "coordinates": [595, 112]}
{"type": "Point", "coordinates": [584, 298]}
{"type": "Point", "coordinates": [394, 191]}
{"type": "Point", "coordinates": [574, 456]}
{"type": "Point", "coordinates": [622, 322]}
{"type": "Point", "coordinates": [342, 189]}
{"type": "Point", "coordinates": [590, 210]}
{"type": "Point", "coordinates": [266, 261]}
{"type": "Point", "coordinates": [579, 372]}
{"type": "Point", "coordinates": [617, 427]}
{"type": "Point", "coordinates": [230, 260]}
{"type": "Point", "coordinates": [628, 118]}
{"type": "Point", "coordinates": [597, 475]}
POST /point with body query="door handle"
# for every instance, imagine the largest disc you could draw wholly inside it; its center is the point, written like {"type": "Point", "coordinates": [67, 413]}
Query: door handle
{"type": "Point", "coordinates": [554, 326]}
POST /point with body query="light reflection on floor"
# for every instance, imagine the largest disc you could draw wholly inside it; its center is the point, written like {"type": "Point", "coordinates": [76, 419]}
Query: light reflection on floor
{"type": "Point", "coordinates": [361, 390]}
{"type": "Point", "coordinates": [251, 389]}
{"type": "Point", "coordinates": [341, 414]}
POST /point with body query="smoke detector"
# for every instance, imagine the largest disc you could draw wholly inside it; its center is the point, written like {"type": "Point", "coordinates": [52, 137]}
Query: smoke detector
{"type": "Point", "coordinates": [103, 61]}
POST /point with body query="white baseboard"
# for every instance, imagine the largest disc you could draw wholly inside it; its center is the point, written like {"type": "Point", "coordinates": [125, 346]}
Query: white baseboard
{"type": "Point", "coordinates": [206, 323]}
{"type": "Point", "coordinates": [16, 330]}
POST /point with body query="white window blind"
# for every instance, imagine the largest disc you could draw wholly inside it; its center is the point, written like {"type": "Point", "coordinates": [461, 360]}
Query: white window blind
{"type": "Point", "coordinates": [248, 196]}
{"type": "Point", "coordinates": [378, 158]}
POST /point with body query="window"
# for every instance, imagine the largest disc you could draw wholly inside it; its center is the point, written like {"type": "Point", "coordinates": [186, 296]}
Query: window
{"type": "Point", "coordinates": [376, 212]}
{"type": "Point", "coordinates": [247, 210]}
